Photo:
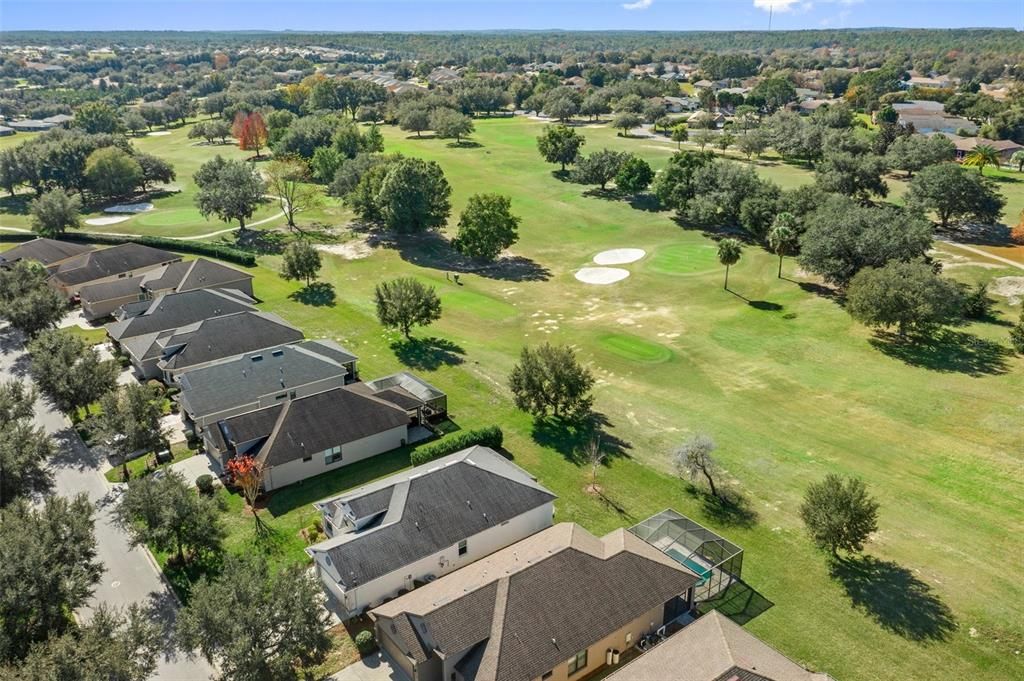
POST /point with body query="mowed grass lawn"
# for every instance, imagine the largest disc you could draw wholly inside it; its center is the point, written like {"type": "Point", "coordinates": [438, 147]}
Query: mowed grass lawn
{"type": "Point", "coordinates": [780, 376]}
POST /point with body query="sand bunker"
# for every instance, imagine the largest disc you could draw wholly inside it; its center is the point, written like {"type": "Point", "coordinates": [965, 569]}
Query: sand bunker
{"type": "Point", "coordinates": [1012, 288]}
{"type": "Point", "coordinates": [619, 256]}
{"type": "Point", "coordinates": [159, 133]}
{"type": "Point", "coordinates": [129, 208]}
{"type": "Point", "coordinates": [601, 275]}
{"type": "Point", "coordinates": [108, 220]}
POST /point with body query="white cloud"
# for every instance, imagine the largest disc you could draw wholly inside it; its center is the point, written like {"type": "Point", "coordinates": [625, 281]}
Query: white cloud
{"type": "Point", "coordinates": [639, 4]}
{"type": "Point", "coordinates": [776, 5]}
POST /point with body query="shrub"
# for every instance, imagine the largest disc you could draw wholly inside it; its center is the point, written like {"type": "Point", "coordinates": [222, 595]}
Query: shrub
{"type": "Point", "coordinates": [212, 250]}
{"type": "Point", "coordinates": [204, 483]}
{"type": "Point", "coordinates": [365, 642]}
{"type": "Point", "coordinates": [490, 436]}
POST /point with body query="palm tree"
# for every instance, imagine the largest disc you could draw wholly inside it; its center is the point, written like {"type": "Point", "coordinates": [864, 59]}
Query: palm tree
{"type": "Point", "coordinates": [782, 236]}
{"type": "Point", "coordinates": [1018, 160]}
{"type": "Point", "coordinates": [981, 156]}
{"type": "Point", "coordinates": [729, 251]}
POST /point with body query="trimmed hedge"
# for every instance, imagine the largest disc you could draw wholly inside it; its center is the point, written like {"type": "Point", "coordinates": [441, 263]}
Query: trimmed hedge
{"type": "Point", "coordinates": [213, 250]}
{"type": "Point", "coordinates": [490, 436]}
{"type": "Point", "coordinates": [365, 642]}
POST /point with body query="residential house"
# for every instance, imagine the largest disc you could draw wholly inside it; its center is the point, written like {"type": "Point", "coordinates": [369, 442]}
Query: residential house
{"type": "Point", "coordinates": [260, 379]}
{"type": "Point", "coordinates": [965, 145]}
{"type": "Point", "coordinates": [386, 537]}
{"type": "Point", "coordinates": [30, 125]}
{"type": "Point", "coordinates": [714, 648]}
{"type": "Point", "coordinates": [211, 340]}
{"type": "Point", "coordinates": [124, 261]}
{"type": "Point", "coordinates": [926, 123]}
{"type": "Point", "coordinates": [300, 437]}
{"type": "Point", "coordinates": [679, 104]}
{"type": "Point", "coordinates": [809, 106]}
{"type": "Point", "coordinates": [548, 607]}
{"type": "Point", "coordinates": [59, 119]}
{"type": "Point", "coordinates": [44, 251]}
{"type": "Point", "coordinates": [5, 131]}
{"type": "Point", "coordinates": [104, 299]}
{"type": "Point", "coordinates": [140, 325]}
{"type": "Point", "coordinates": [699, 118]}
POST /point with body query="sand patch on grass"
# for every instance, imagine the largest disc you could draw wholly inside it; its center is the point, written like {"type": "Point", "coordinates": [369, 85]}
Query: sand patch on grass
{"type": "Point", "coordinates": [619, 256]}
{"type": "Point", "coordinates": [352, 250]}
{"type": "Point", "coordinates": [1011, 288]}
{"type": "Point", "coordinates": [601, 276]}
{"type": "Point", "coordinates": [108, 220]}
{"type": "Point", "coordinates": [158, 133]}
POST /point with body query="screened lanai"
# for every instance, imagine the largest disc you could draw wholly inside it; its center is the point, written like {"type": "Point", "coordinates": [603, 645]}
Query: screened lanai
{"type": "Point", "coordinates": [716, 560]}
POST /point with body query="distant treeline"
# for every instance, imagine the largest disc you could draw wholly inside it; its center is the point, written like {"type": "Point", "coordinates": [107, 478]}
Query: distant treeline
{"type": "Point", "coordinates": [525, 46]}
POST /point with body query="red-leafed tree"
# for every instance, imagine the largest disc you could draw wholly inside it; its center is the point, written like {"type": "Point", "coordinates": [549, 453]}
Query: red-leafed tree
{"type": "Point", "coordinates": [252, 133]}
{"type": "Point", "coordinates": [238, 124]}
{"type": "Point", "coordinates": [247, 474]}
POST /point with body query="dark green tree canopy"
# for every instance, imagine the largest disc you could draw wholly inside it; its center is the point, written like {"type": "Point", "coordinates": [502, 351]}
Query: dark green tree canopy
{"type": "Point", "coordinates": [560, 144]}
{"type": "Point", "coordinates": [229, 189]}
{"type": "Point", "coordinates": [634, 176]}
{"type": "Point", "coordinates": [27, 301]}
{"type": "Point", "coordinates": [907, 295]}
{"type": "Point", "coordinates": [68, 371]}
{"type": "Point", "coordinates": [839, 513]}
{"type": "Point", "coordinates": [406, 302]}
{"type": "Point", "coordinates": [55, 212]}
{"type": "Point", "coordinates": [549, 379]}
{"type": "Point", "coordinates": [954, 193]}
{"type": "Point", "coordinates": [486, 227]}
{"type": "Point", "coordinates": [301, 261]}
{"type": "Point", "coordinates": [599, 168]}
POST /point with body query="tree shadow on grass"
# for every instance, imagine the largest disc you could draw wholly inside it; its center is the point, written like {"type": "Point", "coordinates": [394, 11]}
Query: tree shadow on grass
{"type": "Point", "coordinates": [464, 144]}
{"type": "Point", "coordinates": [428, 353]}
{"type": "Point", "coordinates": [570, 438]}
{"type": "Point", "coordinates": [17, 204]}
{"type": "Point", "coordinates": [978, 234]}
{"type": "Point", "coordinates": [646, 202]}
{"type": "Point", "coordinates": [432, 250]}
{"type": "Point", "coordinates": [740, 602]}
{"type": "Point", "coordinates": [764, 305]}
{"type": "Point", "coordinates": [946, 350]}
{"type": "Point", "coordinates": [562, 175]}
{"type": "Point", "coordinates": [731, 508]}
{"type": "Point", "coordinates": [259, 241]}
{"type": "Point", "coordinates": [182, 577]}
{"type": "Point", "coordinates": [317, 294]}
{"type": "Point", "coordinates": [820, 290]}
{"type": "Point", "coordinates": [892, 596]}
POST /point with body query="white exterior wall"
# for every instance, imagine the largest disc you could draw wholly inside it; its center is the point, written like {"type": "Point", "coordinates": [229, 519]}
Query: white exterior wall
{"type": "Point", "coordinates": [479, 545]}
{"type": "Point", "coordinates": [293, 471]}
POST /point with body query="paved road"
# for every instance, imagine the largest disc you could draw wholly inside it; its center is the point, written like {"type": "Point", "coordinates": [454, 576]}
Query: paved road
{"type": "Point", "coordinates": [129, 574]}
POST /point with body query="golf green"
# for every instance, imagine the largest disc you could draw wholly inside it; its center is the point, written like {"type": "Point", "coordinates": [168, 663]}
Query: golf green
{"type": "Point", "coordinates": [634, 348]}
{"type": "Point", "coordinates": [684, 259]}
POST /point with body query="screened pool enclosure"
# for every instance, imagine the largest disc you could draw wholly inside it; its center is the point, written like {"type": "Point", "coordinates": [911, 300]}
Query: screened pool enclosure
{"type": "Point", "coordinates": [716, 560]}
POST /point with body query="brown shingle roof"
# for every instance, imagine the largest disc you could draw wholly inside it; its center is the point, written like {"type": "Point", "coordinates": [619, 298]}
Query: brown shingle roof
{"type": "Point", "coordinates": [539, 601]}
{"type": "Point", "coordinates": [711, 649]}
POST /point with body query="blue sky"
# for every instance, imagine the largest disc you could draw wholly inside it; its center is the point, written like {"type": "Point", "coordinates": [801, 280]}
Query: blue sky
{"type": "Point", "coordinates": [431, 15]}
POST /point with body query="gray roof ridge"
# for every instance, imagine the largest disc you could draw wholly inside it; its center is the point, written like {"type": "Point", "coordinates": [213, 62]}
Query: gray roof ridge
{"type": "Point", "coordinates": [272, 438]}
{"type": "Point", "coordinates": [492, 653]}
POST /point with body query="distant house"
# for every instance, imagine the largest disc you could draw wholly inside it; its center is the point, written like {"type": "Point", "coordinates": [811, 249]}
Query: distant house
{"type": "Point", "coordinates": [809, 106]}
{"type": "Point", "coordinates": [30, 125]}
{"type": "Point", "coordinates": [965, 145]}
{"type": "Point", "coordinates": [926, 123]}
{"type": "Point", "coordinates": [217, 338]}
{"type": "Point", "coordinates": [124, 261]}
{"type": "Point", "coordinates": [44, 251]}
{"type": "Point", "coordinates": [306, 436]}
{"type": "Point", "coordinates": [548, 607]}
{"type": "Point", "coordinates": [5, 131]}
{"type": "Point", "coordinates": [410, 528]}
{"type": "Point", "coordinates": [102, 300]}
{"type": "Point", "coordinates": [700, 118]}
{"type": "Point", "coordinates": [142, 329]}
{"type": "Point", "coordinates": [262, 378]}
{"type": "Point", "coordinates": [714, 648]}
{"type": "Point", "coordinates": [59, 119]}
{"type": "Point", "coordinates": [679, 104]}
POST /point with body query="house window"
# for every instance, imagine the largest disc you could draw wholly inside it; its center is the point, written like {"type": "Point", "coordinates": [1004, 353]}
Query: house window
{"type": "Point", "coordinates": [578, 662]}
{"type": "Point", "coordinates": [257, 358]}
{"type": "Point", "coordinates": [307, 458]}
{"type": "Point", "coordinates": [277, 353]}
{"type": "Point", "coordinates": [280, 397]}
{"type": "Point", "coordinates": [463, 548]}
{"type": "Point", "coordinates": [547, 675]}
{"type": "Point", "coordinates": [332, 455]}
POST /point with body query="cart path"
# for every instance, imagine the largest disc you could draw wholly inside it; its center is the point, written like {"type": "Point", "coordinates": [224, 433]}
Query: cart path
{"type": "Point", "coordinates": [984, 254]}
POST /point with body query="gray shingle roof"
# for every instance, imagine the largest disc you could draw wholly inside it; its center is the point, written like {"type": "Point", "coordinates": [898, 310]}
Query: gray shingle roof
{"type": "Point", "coordinates": [243, 380]}
{"type": "Point", "coordinates": [194, 274]}
{"type": "Point", "coordinates": [109, 262]}
{"type": "Point", "coordinates": [229, 335]}
{"type": "Point", "coordinates": [46, 251]}
{"type": "Point", "coordinates": [111, 290]}
{"type": "Point", "coordinates": [433, 507]}
{"type": "Point", "coordinates": [175, 310]}
{"type": "Point", "coordinates": [537, 602]}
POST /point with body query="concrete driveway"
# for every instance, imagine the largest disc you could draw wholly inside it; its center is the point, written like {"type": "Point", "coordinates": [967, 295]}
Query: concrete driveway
{"type": "Point", "coordinates": [377, 667]}
{"type": "Point", "coordinates": [194, 466]}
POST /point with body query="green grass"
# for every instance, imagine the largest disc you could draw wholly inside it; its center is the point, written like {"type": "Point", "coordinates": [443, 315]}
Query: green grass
{"type": "Point", "coordinates": [137, 467]}
{"type": "Point", "coordinates": [684, 259]}
{"type": "Point", "coordinates": [782, 378]}
{"type": "Point", "coordinates": [634, 348]}
{"type": "Point", "coordinates": [90, 336]}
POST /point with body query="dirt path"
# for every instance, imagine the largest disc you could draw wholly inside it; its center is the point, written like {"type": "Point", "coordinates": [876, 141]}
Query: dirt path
{"type": "Point", "coordinates": [984, 254]}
